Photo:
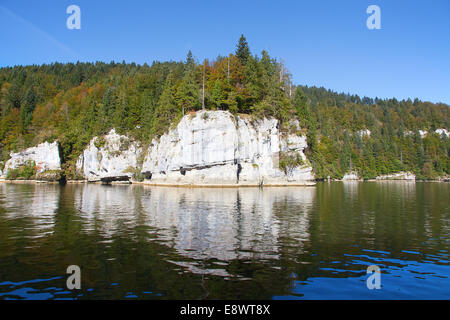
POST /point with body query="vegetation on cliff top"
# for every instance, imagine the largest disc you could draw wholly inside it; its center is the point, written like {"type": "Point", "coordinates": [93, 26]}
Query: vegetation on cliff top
{"type": "Point", "coordinates": [75, 102]}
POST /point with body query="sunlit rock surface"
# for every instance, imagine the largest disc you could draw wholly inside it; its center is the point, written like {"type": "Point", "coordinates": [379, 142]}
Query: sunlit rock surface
{"type": "Point", "coordinates": [351, 176]}
{"type": "Point", "coordinates": [365, 132]}
{"type": "Point", "coordinates": [398, 176]}
{"type": "Point", "coordinates": [442, 132]}
{"type": "Point", "coordinates": [45, 155]}
{"type": "Point", "coordinates": [423, 133]}
{"type": "Point", "coordinates": [111, 156]}
{"type": "Point", "coordinates": [215, 147]}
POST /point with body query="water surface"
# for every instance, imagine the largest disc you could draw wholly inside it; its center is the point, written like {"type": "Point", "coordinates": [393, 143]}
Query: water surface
{"type": "Point", "coordinates": [142, 242]}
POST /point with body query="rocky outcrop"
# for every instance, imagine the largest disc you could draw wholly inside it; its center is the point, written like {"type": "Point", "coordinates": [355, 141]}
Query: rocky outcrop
{"type": "Point", "coordinates": [205, 148]}
{"type": "Point", "coordinates": [398, 176]}
{"type": "Point", "coordinates": [215, 147]}
{"type": "Point", "coordinates": [46, 157]}
{"type": "Point", "coordinates": [351, 176]}
{"type": "Point", "coordinates": [423, 133]}
{"type": "Point", "coordinates": [51, 175]}
{"type": "Point", "coordinates": [442, 132]}
{"type": "Point", "coordinates": [363, 133]}
{"type": "Point", "coordinates": [112, 157]}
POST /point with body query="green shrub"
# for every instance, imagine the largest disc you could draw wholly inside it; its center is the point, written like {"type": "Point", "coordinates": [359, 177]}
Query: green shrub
{"type": "Point", "coordinates": [26, 171]}
{"type": "Point", "coordinates": [136, 173]}
{"type": "Point", "coordinates": [12, 174]}
{"type": "Point", "coordinates": [289, 161]}
{"type": "Point", "coordinates": [124, 144]}
{"type": "Point", "coordinates": [100, 142]}
{"type": "Point", "coordinates": [50, 175]}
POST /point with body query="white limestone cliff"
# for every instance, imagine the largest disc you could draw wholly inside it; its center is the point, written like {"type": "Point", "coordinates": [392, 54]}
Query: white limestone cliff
{"type": "Point", "coordinates": [351, 176]}
{"type": "Point", "coordinates": [215, 147]}
{"type": "Point", "coordinates": [423, 133]}
{"type": "Point", "coordinates": [363, 133]}
{"type": "Point", "coordinates": [45, 156]}
{"type": "Point", "coordinates": [442, 132]}
{"type": "Point", "coordinates": [398, 176]}
{"type": "Point", "coordinates": [110, 157]}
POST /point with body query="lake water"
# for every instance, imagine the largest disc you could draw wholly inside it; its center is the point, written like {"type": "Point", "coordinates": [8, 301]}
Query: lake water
{"type": "Point", "coordinates": [142, 242]}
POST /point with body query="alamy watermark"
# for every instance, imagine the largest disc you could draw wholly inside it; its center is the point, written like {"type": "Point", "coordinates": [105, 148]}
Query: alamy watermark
{"type": "Point", "coordinates": [74, 20]}
{"type": "Point", "coordinates": [374, 20]}
{"type": "Point", "coordinates": [374, 280]}
{"type": "Point", "coordinates": [74, 280]}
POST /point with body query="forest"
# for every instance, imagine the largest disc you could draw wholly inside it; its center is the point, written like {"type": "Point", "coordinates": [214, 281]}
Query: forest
{"type": "Point", "coordinates": [74, 102]}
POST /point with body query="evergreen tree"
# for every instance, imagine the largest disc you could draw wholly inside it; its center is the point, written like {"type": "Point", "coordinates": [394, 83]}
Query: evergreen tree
{"type": "Point", "coordinates": [14, 95]}
{"type": "Point", "coordinates": [188, 93]}
{"type": "Point", "coordinates": [166, 110]}
{"type": "Point", "coordinates": [190, 61]}
{"type": "Point", "coordinates": [109, 106]}
{"type": "Point", "coordinates": [27, 107]}
{"type": "Point", "coordinates": [217, 99]}
{"type": "Point", "coordinates": [242, 50]}
{"type": "Point", "coordinates": [302, 108]}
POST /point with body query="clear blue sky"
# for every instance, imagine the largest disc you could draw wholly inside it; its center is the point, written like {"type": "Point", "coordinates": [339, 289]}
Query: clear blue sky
{"type": "Point", "coordinates": [323, 43]}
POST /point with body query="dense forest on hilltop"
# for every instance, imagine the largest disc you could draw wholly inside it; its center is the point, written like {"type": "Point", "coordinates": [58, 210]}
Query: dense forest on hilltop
{"type": "Point", "coordinates": [75, 102]}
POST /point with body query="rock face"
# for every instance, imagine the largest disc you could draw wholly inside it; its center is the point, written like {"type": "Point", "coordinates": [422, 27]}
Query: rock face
{"type": "Point", "coordinates": [443, 132]}
{"type": "Point", "coordinates": [45, 155]}
{"type": "Point", "coordinates": [398, 176]}
{"type": "Point", "coordinates": [365, 132]}
{"type": "Point", "coordinates": [109, 158]}
{"type": "Point", "coordinates": [214, 147]}
{"type": "Point", "coordinates": [423, 133]}
{"type": "Point", "coordinates": [351, 176]}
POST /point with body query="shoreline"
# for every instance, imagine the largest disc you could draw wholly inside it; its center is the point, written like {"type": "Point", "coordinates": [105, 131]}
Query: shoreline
{"type": "Point", "coordinates": [173, 185]}
{"type": "Point", "coordinates": [184, 185]}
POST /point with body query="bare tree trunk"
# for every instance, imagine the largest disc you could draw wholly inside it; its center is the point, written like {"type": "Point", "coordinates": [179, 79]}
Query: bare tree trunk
{"type": "Point", "coordinates": [203, 91]}
{"type": "Point", "coordinates": [281, 71]}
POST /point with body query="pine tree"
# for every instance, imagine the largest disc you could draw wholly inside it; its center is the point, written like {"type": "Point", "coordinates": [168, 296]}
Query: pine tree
{"type": "Point", "coordinates": [303, 110]}
{"type": "Point", "coordinates": [108, 106]}
{"type": "Point", "coordinates": [166, 110]}
{"type": "Point", "coordinates": [188, 93]}
{"type": "Point", "coordinates": [14, 95]}
{"type": "Point", "coordinates": [27, 107]}
{"type": "Point", "coordinates": [190, 61]}
{"type": "Point", "coordinates": [217, 95]}
{"type": "Point", "coordinates": [242, 50]}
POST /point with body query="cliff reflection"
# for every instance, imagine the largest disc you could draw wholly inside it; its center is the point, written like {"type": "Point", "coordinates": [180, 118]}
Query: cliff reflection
{"type": "Point", "coordinates": [202, 223]}
{"type": "Point", "coordinates": [36, 204]}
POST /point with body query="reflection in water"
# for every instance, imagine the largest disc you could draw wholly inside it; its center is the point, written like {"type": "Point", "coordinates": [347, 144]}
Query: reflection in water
{"type": "Point", "coordinates": [189, 243]}
{"type": "Point", "coordinates": [36, 202]}
{"type": "Point", "coordinates": [200, 223]}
